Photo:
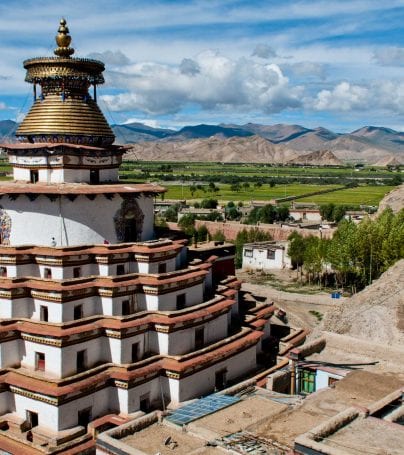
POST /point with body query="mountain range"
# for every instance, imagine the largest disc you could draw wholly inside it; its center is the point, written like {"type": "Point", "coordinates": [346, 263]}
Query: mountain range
{"type": "Point", "coordinates": [254, 143]}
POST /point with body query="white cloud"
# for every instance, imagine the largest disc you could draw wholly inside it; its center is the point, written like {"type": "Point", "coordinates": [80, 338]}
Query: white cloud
{"type": "Point", "coordinates": [3, 106]}
{"type": "Point", "coordinates": [147, 122]}
{"type": "Point", "coordinates": [264, 51]}
{"type": "Point", "coordinates": [306, 69]}
{"type": "Point", "coordinates": [344, 97]}
{"type": "Point", "coordinates": [391, 56]}
{"type": "Point", "coordinates": [377, 95]}
{"type": "Point", "coordinates": [220, 82]}
{"type": "Point", "coordinates": [113, 58]}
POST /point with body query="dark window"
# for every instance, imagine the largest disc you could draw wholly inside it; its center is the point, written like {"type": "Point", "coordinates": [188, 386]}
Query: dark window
{"type": "Point", "coordinates": [220, 379]}
{"type": "Point", "coordinates": [76, 272]}
{"type": "Point", "coordinates": [3, 271]}
{"type": "Point", "coordinates": [130, 228]}
{"type": "Point", "coordinates": [199, 338]}
{"type": "Point", "coordinates": [32, 419]}
{"type": "Point", "coordinates": [34, 176]}
{"type": "Point", "coordinates": [248, 253]}
{"type": "Point", "coordinates": [44, 313]}
{"type": "Point", "coordinates": [332, 381]}
{"type": "Point", "coordinates": [181, 301]}
{"type": "Point", "coordinates": [40, 361]}
{"type": "Point", "coordinates": [78, 312]}
{"type": "Point", "coordinates": [125, 308]}
{"type": "Point", "coordinates": [162, 268]}
{"type": "Point", "coordinates": [94, 177]}
{"type": "Point", "coordinates": [135, 352]}
{"type": "Point", "coordinates": [47, 273]}
{"type": "Point", "coordinates": [144, 402]}
{"type": "Point", "coordinates": [270, 254]}
{"type": "Point", "coordinates": [84, 417]}
{"type": "Point", "coordinates": [81, 362]}
{"type": "Point", "coordinates": [120, 269]}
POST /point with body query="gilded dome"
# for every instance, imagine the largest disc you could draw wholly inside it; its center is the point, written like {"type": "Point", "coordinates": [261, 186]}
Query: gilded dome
{"type": "Point", "coordinates": [63, 109]}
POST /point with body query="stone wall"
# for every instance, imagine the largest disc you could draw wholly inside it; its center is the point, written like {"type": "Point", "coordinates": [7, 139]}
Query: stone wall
{"type": "Point", "coordinates": [230, 229]}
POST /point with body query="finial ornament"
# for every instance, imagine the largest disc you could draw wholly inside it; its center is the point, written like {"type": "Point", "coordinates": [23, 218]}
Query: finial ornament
{"type": "Point", "coordinates": [63, 40]}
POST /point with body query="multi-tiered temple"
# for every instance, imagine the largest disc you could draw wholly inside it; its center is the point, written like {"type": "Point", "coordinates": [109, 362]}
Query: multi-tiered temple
{"type": "Point", "coordinates": [97, 318]}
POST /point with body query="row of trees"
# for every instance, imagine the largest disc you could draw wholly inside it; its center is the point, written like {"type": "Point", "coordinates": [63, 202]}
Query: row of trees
{"type": "Point", "coordinates": [268, 214]}
{"type": "Point", "coordinates": [357, 253]}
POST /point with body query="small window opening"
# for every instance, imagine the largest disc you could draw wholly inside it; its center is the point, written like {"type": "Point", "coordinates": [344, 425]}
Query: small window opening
{"type": "Point", "coordinates": [135, 352]}
{"type": "Point", "coordinates": [34, 176]}
{"type": "Point", "coordinates": [47, 273]}
{"type": "Point", "coordinates": [81, 361]}
{"type": "Point", "coordinates": [84, 417]}
{"type": "Point", "coordinates": [44, 313]}
{"type": "Point", "coordinates": [144, 402]}
{"type": "Point", "coordinates": [94, 177]}
{"type": "Point", "coordinates": [40, 361]}
{"type": "Point", "coordinates": [181, 301]}
{"type": "Point", "coordinates": [220, 379]}
{"type": "Point", "coordinates": [32, 419]}
{"type": "Point", "coordinates": [199, 338]}
{"type": "Point", "coordinates": [126, 310]}
{"type": "Point", "coordinates": [78, 312]}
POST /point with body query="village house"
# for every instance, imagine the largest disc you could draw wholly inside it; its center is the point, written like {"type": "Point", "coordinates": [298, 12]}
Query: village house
{"type": "Point", "coordinates": [266, 256]}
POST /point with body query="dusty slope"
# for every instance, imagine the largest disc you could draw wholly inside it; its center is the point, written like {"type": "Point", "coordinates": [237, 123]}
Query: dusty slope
{"type": "Point", "coordinates": [319, 158]}
{"type": "Point", "coordinates": [393, 199]}
{"type": "Point", "coordinates": [376, 313]}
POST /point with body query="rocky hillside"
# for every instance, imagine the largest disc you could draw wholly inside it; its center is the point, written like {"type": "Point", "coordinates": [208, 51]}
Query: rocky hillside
{"type": "Point", "coordinates": [252, 149]}
{"type": "Point", "coordinates": [376, 313]}
{"type": "Point", "coordinates": [319, 158]}
{"type": "Point", "coordinates": [394, 199]}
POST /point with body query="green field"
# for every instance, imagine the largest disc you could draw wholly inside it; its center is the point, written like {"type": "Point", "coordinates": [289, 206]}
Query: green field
{"type": "Point", "coordinates": [226, 194]}
{"type": "Point", "coordinates": [366, 195]}
{"type": "Point", "coordinates": [252, 170]}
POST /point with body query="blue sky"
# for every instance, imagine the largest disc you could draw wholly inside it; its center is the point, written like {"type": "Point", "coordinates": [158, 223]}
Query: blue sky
{"type": "Point", "coordinates": [338, 64]}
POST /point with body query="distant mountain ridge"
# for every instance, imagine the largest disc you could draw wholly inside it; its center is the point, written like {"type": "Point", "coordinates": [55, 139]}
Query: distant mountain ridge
{"type": "Point", "coordinates": [369, 144]}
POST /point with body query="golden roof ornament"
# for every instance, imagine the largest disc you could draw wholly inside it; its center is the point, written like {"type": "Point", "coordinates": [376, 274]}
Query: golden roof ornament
{"type": "Point", "coordinates": [63, 40]}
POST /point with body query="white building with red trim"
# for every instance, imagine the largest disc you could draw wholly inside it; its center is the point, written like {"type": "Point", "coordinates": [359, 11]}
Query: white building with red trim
{"type": "Point", "coordinates": [98, 320]}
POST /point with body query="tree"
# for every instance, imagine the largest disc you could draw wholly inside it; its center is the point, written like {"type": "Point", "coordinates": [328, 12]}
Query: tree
{"type": "Point", "coordinates": [282, 213]}
{"type": "Point", "coordinates": [218, 236]}
{"type": "Point", "coordinates": [209, 203]}
{"type": "Point", "coordinates": [187, 223]}
{"type": "Point", "coordinates": [202, 233]}
{"type": "Point", "coordinates": [233, 214]}
{"type": "Point", "coordinates": [171, 214]}
{"type": "Point", "coordinates": [326, 211]}
{"type": "Point", "coordinates": [296, 250]}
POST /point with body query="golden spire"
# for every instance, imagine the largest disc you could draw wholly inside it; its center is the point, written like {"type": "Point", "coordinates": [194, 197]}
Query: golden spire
{"type": "Point", "coordinates": [63, 40]}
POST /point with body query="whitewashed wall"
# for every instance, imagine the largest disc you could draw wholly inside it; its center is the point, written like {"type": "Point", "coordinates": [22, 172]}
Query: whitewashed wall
{"type": "Point", "coordinates": [77, 222]}
{"type": "Point", "coordinates": [203, 382]}
{"type": "Point", "coordinates": [260, 261]}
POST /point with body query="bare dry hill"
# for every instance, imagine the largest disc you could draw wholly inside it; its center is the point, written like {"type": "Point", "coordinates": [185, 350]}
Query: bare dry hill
{"type": "Point", "coordinates": [252, 149]}
{"type": "Point", "coordinates": [375, 314]}
{"type": "Point", "coordinates": [318, 158]}
{"type": "Point", "coordinates": [394, 199]}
